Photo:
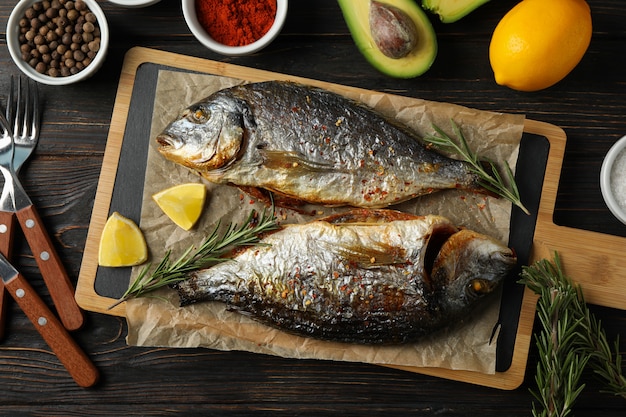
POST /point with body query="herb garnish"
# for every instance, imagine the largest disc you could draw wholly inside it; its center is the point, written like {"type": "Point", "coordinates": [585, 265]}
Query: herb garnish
{"type": "Point", "coordinates": [209, 252]}
{"type": "Point", "coordinates": [570, 339]}
{"type": "Point", "coordinates": [491, 181]}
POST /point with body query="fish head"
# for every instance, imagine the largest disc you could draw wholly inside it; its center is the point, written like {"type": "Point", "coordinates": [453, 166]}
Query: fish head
{"type": "Point", "coordinates": [207, 136]}
{"type": "Point", "coordinates": [468, 267]}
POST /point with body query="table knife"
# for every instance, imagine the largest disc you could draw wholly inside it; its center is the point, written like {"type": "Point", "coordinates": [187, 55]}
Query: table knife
{"type": "Point", "coordinates": [78, 364]}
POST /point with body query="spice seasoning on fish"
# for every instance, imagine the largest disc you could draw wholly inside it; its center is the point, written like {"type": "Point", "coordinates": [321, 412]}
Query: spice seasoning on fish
{"type": "Point", "coordinates": [236, 22]}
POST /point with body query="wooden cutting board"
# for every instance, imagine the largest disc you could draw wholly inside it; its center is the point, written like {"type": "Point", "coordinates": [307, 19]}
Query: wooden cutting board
{"type": "Point", "coordinates": [597, 270]}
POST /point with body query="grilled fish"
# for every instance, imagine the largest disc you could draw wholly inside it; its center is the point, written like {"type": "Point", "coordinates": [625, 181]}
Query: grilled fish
{"type": "Point", "coordinates": [364, 276]}
{"type": "Point", "coordinates": [308, 145]}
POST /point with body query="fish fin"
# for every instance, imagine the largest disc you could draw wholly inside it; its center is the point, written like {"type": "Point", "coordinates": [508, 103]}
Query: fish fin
{"type": "Point", "coordinates": [373, 257]}
{"type": "Point", "coordinates": [368, 216]}
{"type": "Point", "coordinates": [273, 198]}
{"type": "Point", "coordinates": [292, 162]}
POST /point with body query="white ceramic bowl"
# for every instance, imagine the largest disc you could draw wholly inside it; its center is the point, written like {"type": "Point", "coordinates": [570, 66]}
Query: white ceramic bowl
{"type": "Point", "coordinates": [12, 37]}
{"type": "Point", "coordinates": [189, 11]}
{"type": "Point", "coordinates": [134, 3]}
{"type": "Point", "coordinates": [613, 179]}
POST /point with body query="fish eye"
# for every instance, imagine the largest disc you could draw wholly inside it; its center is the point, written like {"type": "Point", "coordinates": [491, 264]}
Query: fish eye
{"type": "Point", "coordinates": [197, 115]}
{"type": "Point", "coordinates": [478, 286]}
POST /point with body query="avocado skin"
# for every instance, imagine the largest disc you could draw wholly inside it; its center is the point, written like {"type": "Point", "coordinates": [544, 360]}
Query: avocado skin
{"type": "Point", "coordinates": [450, 11]}
{"type": "Point", "coordinates": [416, 63]}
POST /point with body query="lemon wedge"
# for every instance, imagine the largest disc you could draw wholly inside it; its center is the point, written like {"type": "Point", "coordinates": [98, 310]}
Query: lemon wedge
{"type": "Point", "coordinates": [182, 203]}
{"type": "Point", "coordinates": [122, 243]}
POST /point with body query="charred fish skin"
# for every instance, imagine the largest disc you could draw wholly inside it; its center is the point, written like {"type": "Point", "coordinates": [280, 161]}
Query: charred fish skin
{"type": "Point", "coordinates": [309, 144]}
{"type": "Point", "coordinates": [367, 282]}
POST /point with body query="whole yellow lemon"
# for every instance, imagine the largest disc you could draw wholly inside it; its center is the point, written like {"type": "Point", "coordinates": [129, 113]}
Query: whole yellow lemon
{"type": "Point", "coordinates": [538, 42]}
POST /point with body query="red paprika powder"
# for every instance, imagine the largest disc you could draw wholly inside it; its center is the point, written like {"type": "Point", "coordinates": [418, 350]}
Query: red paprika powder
{"type": "Point", "coordinates": [236, 22]}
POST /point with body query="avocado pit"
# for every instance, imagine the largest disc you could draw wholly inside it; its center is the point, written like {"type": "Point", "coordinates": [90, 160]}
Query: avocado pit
{"type": "Point", "coordinates": [393, 31]}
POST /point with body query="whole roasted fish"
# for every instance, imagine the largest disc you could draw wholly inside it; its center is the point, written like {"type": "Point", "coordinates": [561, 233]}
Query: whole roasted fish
{"type": "Point", "coordinates": [308, 145]}
{"type": "Point", "coordinates": [365, 276]}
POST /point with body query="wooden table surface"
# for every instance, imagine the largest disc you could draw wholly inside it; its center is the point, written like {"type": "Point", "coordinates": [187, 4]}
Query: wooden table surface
{"type": "Point", "coordinates": [590, 105]}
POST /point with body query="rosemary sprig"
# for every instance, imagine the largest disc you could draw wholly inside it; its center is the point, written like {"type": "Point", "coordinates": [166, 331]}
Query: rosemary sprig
{"type": "Point", "coordinates": [561, 362]}
{"type": "Point", "coordinates": [605, 362]}
{"type": "Point", "coordinates": [209, 252]}
{"type": "Point", "coordinates": [570, 339]}
{"type": "Point", "coordinates": [491, 181]}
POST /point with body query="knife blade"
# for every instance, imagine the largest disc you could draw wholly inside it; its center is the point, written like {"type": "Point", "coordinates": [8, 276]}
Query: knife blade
{"type": "Point", "coordinates": [78, 364]}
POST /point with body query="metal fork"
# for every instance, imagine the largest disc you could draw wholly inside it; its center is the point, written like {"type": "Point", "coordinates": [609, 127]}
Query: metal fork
{"type": "Point", "coordinates": [25, 117]}
{"type": "Point", "coordinates": [6, 159]}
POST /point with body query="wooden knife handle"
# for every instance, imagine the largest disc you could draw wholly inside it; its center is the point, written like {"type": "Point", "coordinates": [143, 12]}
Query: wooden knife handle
{"type": "Point", "coordinates": [51, 267]}
{"type": "Point", "coordinates": [7, 223]}
{"type": "Point", "coordinates": [56, 336]}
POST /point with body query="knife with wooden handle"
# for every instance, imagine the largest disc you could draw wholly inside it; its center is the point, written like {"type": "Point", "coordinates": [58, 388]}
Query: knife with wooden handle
{"type": "Point", "coordinates": [80, 367]}
{"type": "Point", "coordinates": [7, 223]}
{"type": "Point", "coordinates": [49, 263]}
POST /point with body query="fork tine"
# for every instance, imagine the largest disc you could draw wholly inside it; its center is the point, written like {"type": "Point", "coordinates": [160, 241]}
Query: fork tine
{"type": "Point", "coordinates": [17, 107]}
{"type": "Point", "coordinates": [10, 102]}
{"type": "Point", "coordinates": [36, 116]}
{"type": "Point", "coordinates": [5, 125]}
{"type": "Point", "coordinates": [22, 108]}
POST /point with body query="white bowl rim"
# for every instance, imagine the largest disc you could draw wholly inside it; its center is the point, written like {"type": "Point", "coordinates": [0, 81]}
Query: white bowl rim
{"type": "Point", "coordinates": [14, 46]}
{"type": "Point", "coordinates": [605, 179]}
{"type": "Point", "coordinates": [134, 3]}
{"type": "Point", "coordinates": [201, 35]}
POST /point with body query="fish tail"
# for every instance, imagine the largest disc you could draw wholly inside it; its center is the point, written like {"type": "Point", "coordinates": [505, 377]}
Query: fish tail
{"type": "Point", "coordinates": [186, 292]}
{"type": "Point", "coordinates": [194, 289]}
{"type": "Point", "coordinates": [467, 178]}
{"type": "Point", "coordinates": [478, 183]}
{"type": "Point", "coordinates": [211, 284]}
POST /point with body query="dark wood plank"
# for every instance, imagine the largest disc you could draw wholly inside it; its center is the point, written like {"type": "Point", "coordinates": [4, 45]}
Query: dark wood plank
{"type": "Point", "coordinates": [590, 105]}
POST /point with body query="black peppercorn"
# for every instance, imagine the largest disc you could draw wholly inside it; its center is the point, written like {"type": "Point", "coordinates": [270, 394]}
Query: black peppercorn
{"type": "Point", "coordinates": [52, 13]}
{"type": "Point", "coordinates": [30, 35]}
{"type": "Point", "coordinates": [72, 14]}
{"type": "Point", "coordinates": [40, 67]}
{"type": "Point", "coordinates": [30, 13]}
{"type": "Point", "coordinates": [66, 39]}
{"type": "Point", "coordinates": [35, 23]}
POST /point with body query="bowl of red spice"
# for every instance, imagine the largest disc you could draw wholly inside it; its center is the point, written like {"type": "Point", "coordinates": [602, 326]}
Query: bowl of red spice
{"type": "Point", "coordinates": [235, 27]}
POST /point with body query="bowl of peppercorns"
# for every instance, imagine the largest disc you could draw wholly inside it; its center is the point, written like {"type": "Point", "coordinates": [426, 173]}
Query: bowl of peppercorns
{"type": "Point", "coordinates": [57, 42]}
{"type": "Point", "coordinates": [235, 27]}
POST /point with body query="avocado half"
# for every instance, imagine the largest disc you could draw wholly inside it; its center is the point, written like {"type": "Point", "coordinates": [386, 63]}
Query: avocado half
{"type": "Point", "coordinates": [416, 62]}
{"type": "Point", "coordinates": [451, 10]}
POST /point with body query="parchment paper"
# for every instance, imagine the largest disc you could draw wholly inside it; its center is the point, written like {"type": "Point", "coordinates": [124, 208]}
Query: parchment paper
{"type": "Point", "coordinates": [161, 322]}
